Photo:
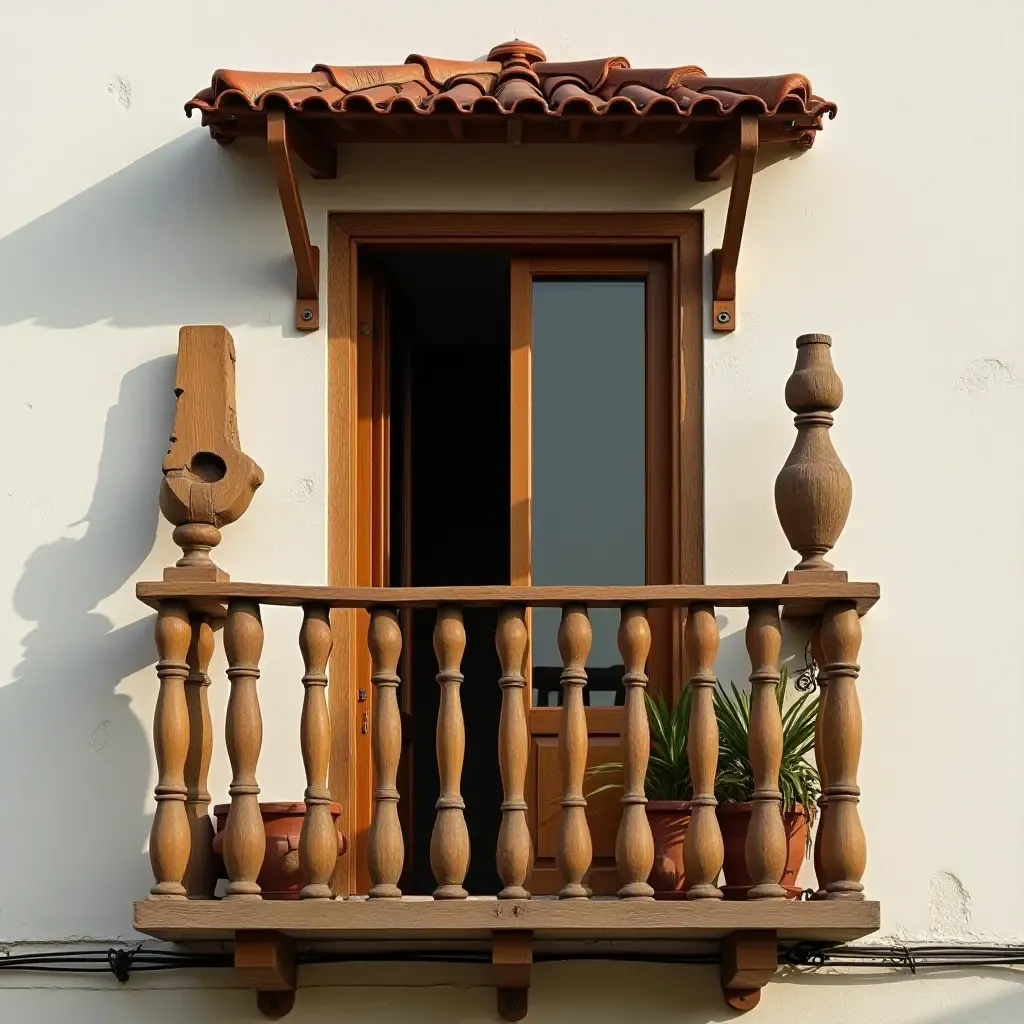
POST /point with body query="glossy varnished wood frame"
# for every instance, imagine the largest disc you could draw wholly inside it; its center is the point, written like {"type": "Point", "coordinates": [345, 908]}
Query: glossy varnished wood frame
{"type": "Point", "coordinates": [681, 237]}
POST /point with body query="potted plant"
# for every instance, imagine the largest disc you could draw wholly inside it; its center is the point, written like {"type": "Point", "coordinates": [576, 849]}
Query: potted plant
{"type": "Point", "coordinates": [668, 787]}
{"type": "Point", "coordinates": [798, 782]}
{"type": "Point", "coordinates": [280, 876]}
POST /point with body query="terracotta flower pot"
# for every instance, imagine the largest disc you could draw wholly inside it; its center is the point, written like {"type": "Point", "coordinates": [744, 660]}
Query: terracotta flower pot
{"type": "Point", "coordinates": [280, 877]}
{"type": "Point", "coordinates": [734, 819]}
{"type": "Point", "coordinates": [669, 820]}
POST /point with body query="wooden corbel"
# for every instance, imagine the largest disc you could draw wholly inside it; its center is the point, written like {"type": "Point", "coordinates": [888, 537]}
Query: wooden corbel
{"type": "Point", "coordinates": [208, 480]}
{"type": "Point", "coordinates": [265, 961]}
{"type": "Point", "coordinates": [512, 956]}
{"type": "Point", "coordinates": [283, 138]}
{"type": "Point", "coordinates": [749, 961]}
{"type": "Point", "coordinates": [738, 142]}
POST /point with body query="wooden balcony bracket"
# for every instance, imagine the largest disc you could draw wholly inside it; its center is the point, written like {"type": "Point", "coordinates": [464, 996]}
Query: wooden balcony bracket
{"type": "Point", "coordinates": [738, 142]}
{"type": "Point", "coordinates": [512, 956]}
{"type": "Point", "coordinates": [749, 962]}
{"type": "Point", "coordinates": [285, 137]}
{"type": "Point", "coordinates": [265, 961]}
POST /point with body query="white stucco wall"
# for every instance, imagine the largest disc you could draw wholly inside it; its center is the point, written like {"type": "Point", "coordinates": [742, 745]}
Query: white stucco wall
{"type": "Point", "coordinates": [897, 234]}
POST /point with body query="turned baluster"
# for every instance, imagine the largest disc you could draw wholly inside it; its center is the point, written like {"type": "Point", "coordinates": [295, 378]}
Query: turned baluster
{"type": "Point", "coordinates": [819, 758]}
{"type": "Point", "coordinates": [515, 848]}
{"type": "Point", "coordinates": [449, 839]}
{"type": "Point", "coordinates": [244, 837]}
{"type": "Point", "coordinates": [318, 841]}
{"type": "Point", "coordinates": [385, 851]}
{"type": "Point", "coordinates": [844, 851]}
{"type": "Point", "coordinates": [634, 844]}
{"type": "Point", "coordinates": [703, 851]}
{"type": "Point", "coordinates": [813, 491]}
{"type": "Point", "coordinates": [766, 847]}
{"type": "Point", "coordinates": [574, 850]}
{"type": "Point", "coordinates": [201, 876]}
{"type": "Point", "coordinates": [169, 839]}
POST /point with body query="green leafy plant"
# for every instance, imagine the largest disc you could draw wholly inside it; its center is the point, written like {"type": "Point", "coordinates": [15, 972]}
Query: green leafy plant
{"type": "Point", "coordinates": [798, 778]}
{"type": "Point", "coordinates": [668, 770]}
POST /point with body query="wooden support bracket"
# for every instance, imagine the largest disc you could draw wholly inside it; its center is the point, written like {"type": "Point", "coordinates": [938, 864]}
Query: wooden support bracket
{"type": "Point", "coordinates": [739, 142]}
{"type": "Point", "coordinates": [265, 961]}
{"type": "Point", "coordinates": [749, 962]}
{"type": "Point", "coordinates": [512, 956]}
{"type": "Point", "coordinates": [283, 138]}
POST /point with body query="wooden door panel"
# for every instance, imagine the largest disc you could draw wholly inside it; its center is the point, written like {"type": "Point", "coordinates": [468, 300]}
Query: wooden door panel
{"type": "Point", "coordinates": [544, 793]}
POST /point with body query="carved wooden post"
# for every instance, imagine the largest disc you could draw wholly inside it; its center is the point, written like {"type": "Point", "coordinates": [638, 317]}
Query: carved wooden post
{"type": "Point", "coordinates": [244, 837]}
{"type": "Point", "coordinates": [813, 491]}
{"type": "Point", "coordinates": [574, 850]}
{"type": "Point", "coordinates": [767, 845]}
{"type": "Point", "coordinates": [844, 852]}
{"type": "Point", "coordinates": [449, 839]}
{"type": "Point", "coordinates": [208, 479]}
{"type": "Point", "coordinates": [703, 850]}
{"type": "Point", "coordinates": [318, 841]}
{"type": "Point", "coordinates": [819, 758]}
{"type": "Point", "coordinates": [169, 840]}
{"type": "Point", "coordinates": [515, 848]}
{"type": "Point", "coordinates": [634, 844]}
{"type": "Point", "coordinates": [201, 876]}
{"type": "Point", "coordinates": [385, 851]}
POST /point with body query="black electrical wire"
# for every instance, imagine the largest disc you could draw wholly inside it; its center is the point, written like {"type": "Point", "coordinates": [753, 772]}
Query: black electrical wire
{"type": "Point", "coordinates": [125, 961]}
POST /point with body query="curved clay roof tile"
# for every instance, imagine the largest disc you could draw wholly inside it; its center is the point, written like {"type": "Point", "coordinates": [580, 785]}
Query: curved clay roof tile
{"type": "Point", "coordinates": [440, 71]}
{"type": "Point", "coordinates": [568, 97]}
{"type": "Point", "coordinates": [521, 96]}
{"type": "Point", "coordinates": [772, 89]}
{"type": "Point", "coordinates": [592, 72]}
{"type": "Point", "coordinates": [459, 97]}
{"type": "Point", "coordinates": [355, 79]}
{"type": "Point", "coordinates": [253, 85]}
{"type": "Point", "coordinates": [658, 79]}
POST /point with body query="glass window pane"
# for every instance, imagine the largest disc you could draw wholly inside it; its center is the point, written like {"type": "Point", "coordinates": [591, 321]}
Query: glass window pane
{"type": "Point", "coordinates": [588, 443]}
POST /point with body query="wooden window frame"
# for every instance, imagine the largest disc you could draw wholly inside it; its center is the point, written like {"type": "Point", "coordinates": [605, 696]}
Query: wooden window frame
{"type": "Point", "coordinates": [675, 236]}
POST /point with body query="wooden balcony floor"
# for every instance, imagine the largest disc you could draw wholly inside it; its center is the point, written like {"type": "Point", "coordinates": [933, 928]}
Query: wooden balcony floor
{"type": "Point", "coordinates": [414, 919]}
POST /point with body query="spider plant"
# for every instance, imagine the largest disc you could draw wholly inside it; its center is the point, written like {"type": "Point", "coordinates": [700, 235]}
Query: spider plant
{"type": "Point", "coordinates": [798, 778]}
{"type": "Point", "coordinates": [668, 770]}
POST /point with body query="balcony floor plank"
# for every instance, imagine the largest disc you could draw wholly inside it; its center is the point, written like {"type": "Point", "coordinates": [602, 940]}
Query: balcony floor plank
{"type": "Point", "coordinates": [417, 919]}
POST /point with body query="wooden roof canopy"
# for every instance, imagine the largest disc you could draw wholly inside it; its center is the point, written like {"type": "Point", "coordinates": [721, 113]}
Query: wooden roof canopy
{"type": "Point", "coordinates": [516, 96]}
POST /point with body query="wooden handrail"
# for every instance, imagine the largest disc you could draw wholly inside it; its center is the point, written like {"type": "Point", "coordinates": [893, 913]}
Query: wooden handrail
{"type": "Point", "coordinates": [799, 599]}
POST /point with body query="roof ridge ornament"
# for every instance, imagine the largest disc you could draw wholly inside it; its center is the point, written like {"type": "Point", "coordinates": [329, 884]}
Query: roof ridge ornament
{"type": "Point", "coordinates": [517, 58]}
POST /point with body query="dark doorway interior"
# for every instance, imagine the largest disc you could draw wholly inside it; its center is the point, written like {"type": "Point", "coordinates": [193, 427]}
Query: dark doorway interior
{"type": "Point", "coordinates": [450, 403]}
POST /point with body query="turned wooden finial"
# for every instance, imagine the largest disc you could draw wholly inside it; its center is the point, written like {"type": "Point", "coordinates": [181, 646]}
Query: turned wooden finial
{"type": "Point", "coordinates": [208, 479]}
{"type": "Point", "coordinates": [813, 491]}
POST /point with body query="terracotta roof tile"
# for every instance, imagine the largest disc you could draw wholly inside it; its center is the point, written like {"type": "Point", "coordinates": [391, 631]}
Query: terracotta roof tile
{"type": "Point", "coordinates": [515, 82]}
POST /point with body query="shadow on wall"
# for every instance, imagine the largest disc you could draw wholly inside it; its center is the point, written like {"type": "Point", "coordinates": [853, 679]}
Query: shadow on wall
{"type": "Point", "coordinates": [180, 236]}
{"type": "Point", "coordinates": [78, 806]}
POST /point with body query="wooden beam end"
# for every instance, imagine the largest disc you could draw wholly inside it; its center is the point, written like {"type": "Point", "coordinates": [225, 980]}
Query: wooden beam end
{"type": "Point", "coordinates": [749, 961]}
{"type": "Point", "coordinates": [512, 956]}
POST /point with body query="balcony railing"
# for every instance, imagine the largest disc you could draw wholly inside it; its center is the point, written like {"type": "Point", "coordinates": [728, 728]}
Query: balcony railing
{"type": "Point", "coordinates": [813, 501]}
